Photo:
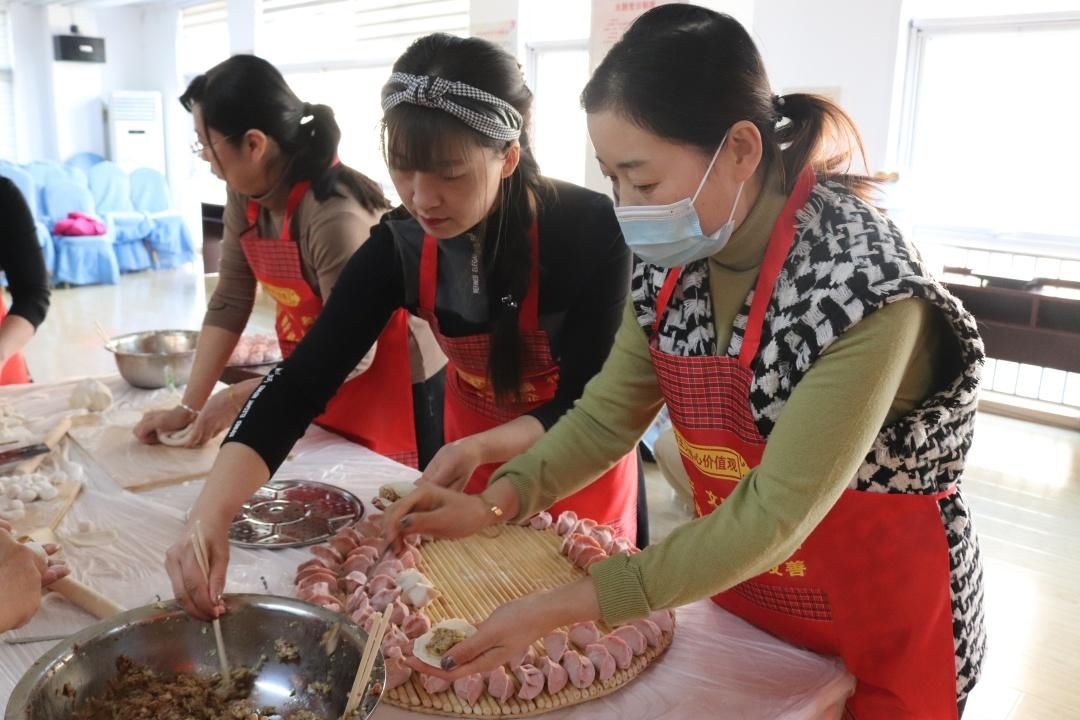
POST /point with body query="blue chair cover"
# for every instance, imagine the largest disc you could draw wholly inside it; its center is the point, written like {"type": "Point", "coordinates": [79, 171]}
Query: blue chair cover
{"type": "Point", "coordinates": [43, 172]}
{"type": "Point", "coordinates": [25, 182]}
{"type": "Point", "coordinates": [84, 161]}
{"type": "Point", "coordinates": [81, 260]}
{"type": "Point", "coordinates": [131, 229]}
{"type": "Point", "coordinates": [78, 176]}
{"type": "Point", "coordinates": [171, 238]}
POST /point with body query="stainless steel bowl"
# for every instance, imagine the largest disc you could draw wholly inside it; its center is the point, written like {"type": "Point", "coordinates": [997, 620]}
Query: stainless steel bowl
{"type": "Point", "coordinates": [151, 359]}
{"type": "Point", "coordinates": [168, 640]}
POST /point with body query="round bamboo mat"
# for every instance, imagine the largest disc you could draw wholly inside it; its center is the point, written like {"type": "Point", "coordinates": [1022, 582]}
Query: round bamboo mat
{"type": "Point", "coordinates": [478, 574]}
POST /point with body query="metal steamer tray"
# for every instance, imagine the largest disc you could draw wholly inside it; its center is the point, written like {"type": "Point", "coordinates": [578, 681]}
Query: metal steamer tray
{"type": "Point", "coordinates": [293, 513]}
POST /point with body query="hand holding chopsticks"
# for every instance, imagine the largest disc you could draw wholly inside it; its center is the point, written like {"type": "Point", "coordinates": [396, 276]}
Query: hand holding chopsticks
{"type": "Point", "coordinates": [204, 564]}
{"type": "Point", "coordinates": [367, 662]}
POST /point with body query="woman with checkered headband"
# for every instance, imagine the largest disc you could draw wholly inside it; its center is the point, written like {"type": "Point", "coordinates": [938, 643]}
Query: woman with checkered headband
{"type": "Point", "coordinates": [522, 279]}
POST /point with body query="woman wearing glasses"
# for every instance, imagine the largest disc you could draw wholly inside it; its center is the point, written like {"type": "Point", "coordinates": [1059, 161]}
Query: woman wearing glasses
{"type": "Point", "coordinates": [293, 217]}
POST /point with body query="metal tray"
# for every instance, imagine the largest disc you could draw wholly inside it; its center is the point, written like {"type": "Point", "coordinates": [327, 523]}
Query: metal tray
{"type": "Point", "coordinates": [293, 513]}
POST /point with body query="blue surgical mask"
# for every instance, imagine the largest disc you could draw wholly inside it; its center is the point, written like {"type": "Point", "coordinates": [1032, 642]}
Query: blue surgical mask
{"type": "Point", "coordinates": [671, 235]}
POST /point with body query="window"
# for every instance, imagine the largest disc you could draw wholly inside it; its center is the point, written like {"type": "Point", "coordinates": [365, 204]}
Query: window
{"type": "Point", "coordinates": [352, 32]}
{"type": "Point", "coordinates": [988, 148]}
{"type": "Point", "coordinates": [560, 137]}
{"type": "Point", "coordinates": [339, 53]}
{"type": "Point", "coordinates": [204, 38]}
{"type": "Point", "coordinates": [354, 94]}
{"type": "Point", "coordinates": [555, 34]}
{"type": "Point", "coordinates": [7, 95]}
{"type": "Point", "coordinates": [203, 43]}
{"type": "Point", "coordinates": [989, 183]}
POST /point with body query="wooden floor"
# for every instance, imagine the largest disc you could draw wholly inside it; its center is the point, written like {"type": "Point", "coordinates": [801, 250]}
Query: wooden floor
{"type": "Point", "coordinates": [1023, 484]}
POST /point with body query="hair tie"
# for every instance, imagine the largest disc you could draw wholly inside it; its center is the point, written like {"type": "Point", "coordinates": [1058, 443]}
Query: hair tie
{"type": "Point", "coordinates": [778, 107]}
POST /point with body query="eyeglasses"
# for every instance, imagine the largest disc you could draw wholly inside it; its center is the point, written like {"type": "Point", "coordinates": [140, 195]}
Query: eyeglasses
{"type": "Point", "coordinates": [197, 148]}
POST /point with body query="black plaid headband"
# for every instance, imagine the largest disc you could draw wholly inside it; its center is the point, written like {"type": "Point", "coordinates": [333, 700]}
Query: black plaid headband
{"type": "Point", "coordinates": [478, 109]}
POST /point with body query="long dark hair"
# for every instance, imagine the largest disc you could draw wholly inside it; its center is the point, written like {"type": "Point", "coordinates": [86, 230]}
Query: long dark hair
{"type": "Point", "coordinates": [246, 93]}
{"type": "Point", "coordinates": [688, 74]}
{"type": "Point", "coordinates": [417, 138]}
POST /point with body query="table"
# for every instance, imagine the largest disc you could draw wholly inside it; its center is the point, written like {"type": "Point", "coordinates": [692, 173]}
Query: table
{"type": "Point", "coordinates": [718, 665]}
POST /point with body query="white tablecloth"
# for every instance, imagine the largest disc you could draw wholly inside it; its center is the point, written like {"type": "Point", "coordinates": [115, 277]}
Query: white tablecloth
{"type": "Point", "coordinates": [718, 666]}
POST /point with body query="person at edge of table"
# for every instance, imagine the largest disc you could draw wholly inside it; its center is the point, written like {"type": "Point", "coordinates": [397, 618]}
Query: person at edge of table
{"type": "Point", "coordinates": [25, 574]}
{"type": "Point", "coordinates": [522, 278]}
{"type": "Point", "coordinates": [822, 386]}
{"type": "Point", "coordinates": [24, 267]}
{"type": "Point", "coordinates": [293, 218]}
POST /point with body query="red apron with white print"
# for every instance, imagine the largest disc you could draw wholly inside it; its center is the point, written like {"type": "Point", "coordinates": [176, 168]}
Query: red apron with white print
{"type": "Point", "coordinates": [375, 408]}
{"type": "Point", "coordinates": [470, 400]}
{"type": "Point", "coordinates": [871, 582]}
{"type": "Point", "coordinates": [15, 371]}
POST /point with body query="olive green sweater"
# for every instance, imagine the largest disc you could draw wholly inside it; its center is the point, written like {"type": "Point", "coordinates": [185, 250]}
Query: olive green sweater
{"type": "Point", "coordinates": [877, 371]}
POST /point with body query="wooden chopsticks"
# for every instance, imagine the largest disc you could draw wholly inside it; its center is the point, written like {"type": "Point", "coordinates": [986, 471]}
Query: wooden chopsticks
{"type": "Point", "coordinates": [367, 662]}
{"type": "Point", "coordinates": [201, 557]}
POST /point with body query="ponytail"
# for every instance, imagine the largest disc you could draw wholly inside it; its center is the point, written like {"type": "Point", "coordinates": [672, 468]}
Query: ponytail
{"type": "Point", "coordinates": [246, 93]}
{"type": "Point", "coordinates": [812, 130]}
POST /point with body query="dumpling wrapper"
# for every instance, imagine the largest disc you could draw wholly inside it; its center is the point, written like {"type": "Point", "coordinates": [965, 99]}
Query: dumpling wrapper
{"type": "Point", "coordinates": [394, 491]}
{"type": "Point", "coordinates": [420, 649]}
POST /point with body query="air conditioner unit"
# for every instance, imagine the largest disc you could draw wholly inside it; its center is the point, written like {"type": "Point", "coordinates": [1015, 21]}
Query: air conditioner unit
{"type": "Point", "coordinates": [136, 130]}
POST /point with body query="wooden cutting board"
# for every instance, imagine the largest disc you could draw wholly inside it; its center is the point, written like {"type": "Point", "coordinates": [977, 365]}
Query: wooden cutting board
{"type": "Point", "coordinates": [136, 466]}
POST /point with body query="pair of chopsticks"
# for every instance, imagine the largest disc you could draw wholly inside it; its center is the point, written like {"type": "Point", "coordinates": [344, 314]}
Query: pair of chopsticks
{"type": "Point", "coordinates": [367, 662]}
{"type": "Point", "coordinates": [201, 557]}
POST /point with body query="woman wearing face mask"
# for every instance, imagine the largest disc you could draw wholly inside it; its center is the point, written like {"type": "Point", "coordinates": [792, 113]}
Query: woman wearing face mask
{"type": "Point", "coordinates": [821, 384]}
{"type": "Point", "coordinates": [522, 279]}
{"type": "Point", "coordinates": [293, 217]}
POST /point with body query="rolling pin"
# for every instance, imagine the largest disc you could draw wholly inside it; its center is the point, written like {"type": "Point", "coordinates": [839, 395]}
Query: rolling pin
{"type": "Point", "coordinates": [86, 598]}
{"type": "Point", "coordinates": [71, 589]}
{"type": "Point", "coordinates": [51, 439]}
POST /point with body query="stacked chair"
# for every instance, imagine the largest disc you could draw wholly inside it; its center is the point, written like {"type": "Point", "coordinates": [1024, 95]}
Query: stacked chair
{"type": "Point", "coordinates": [142, 228]}
{"type": "Point", "coordinates": [130, 229]}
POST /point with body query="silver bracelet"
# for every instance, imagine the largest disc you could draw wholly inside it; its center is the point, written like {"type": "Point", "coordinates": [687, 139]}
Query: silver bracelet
{"type": "Point", "coordinates": [191, 411]}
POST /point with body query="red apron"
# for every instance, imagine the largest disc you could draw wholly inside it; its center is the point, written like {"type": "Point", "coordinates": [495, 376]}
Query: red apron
{"type": "Point", "coordinates": [470, 401]}
{"type": "Point", "coordinates": [15, 371]}
{"type": "Point", "coordinates": [375, 408]}
{"type": "Point", "coordinates": [871, 582]}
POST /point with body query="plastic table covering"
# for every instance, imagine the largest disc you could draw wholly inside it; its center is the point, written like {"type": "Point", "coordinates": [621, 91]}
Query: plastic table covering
{"type": "Point", "coordinates": [718, 665]}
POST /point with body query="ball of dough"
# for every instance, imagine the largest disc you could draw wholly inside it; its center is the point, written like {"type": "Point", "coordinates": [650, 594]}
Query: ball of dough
{"type": "Point", "coordinates": [91, 394]}
{"type": "Point", "coordinates": [176, 438]}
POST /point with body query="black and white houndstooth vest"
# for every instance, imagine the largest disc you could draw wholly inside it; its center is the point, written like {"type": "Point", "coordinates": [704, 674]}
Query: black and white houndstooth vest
{"type": "Point", "coordinates": [847, 260]}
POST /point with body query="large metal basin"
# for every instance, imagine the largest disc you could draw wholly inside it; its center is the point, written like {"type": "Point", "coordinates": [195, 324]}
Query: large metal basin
{"type": "Point", "coordinates": [166, 639]}
{"type": "Point", "coordinates": [153, 358]}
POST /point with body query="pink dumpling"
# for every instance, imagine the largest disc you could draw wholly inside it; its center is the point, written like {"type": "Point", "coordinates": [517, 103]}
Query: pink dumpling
{"type": "Point", "coordinates": [602, 659]}
{"type": "Point", "coordinates": [500, 684]}
{"type": "Point", "coordinates": [619, 650]}
{"type": "Point", "coordinates": [531, 680]}
{"type": "Point", "coordinates": [434, 685]}
{"type": "Point", "coordinates": [470, 688]}
{"type": "Point", "coordinates": [579, 669]}
{"type": "Point", "coordinates": [416, 625]}
{"type": "Point", "coordinates": [555, 644]}
{"type": "Point", "coordinates": [555, 674]}
{"type": "Point", "coordinates": [583, 634]}
{"type": "Point", "coordinates": [633, 637]}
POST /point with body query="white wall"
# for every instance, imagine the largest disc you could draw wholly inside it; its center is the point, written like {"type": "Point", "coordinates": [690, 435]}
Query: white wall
{"type": "Point", "coordinates": [844, 47]}
{"type": "Point", "coordinates": [77, 88]}
{"type": "Point", "coordinates": [33, 83]}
